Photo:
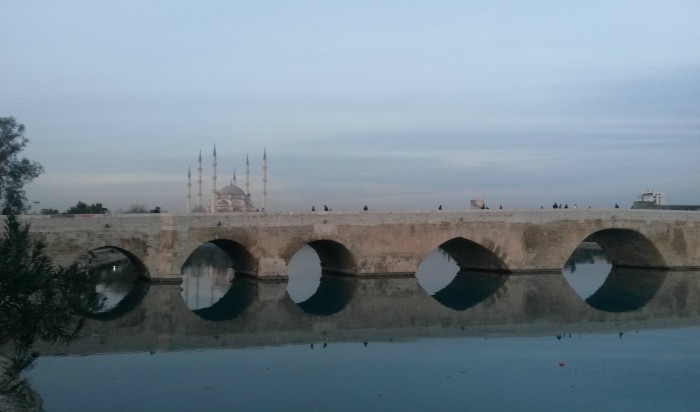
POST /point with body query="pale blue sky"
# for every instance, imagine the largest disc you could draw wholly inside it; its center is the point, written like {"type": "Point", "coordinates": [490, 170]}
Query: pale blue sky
{"type": "Point", "coordinates": [396, 104]}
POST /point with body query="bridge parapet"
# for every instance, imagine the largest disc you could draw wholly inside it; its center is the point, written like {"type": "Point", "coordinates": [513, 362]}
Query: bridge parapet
{"type": "Point", "coordinates": [367, 243]}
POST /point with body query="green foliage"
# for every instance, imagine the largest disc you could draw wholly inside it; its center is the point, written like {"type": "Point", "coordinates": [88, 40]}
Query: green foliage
{"type": "Point", "coordinates": [82, 208]}
{"type": "Point", "coordinates": [39, 301]}
{"type": "Point", "coordinates": [136, 208]}
{"type": "Point", "coordinates": [49, 211]}
{"type": "Point", "coordinates": [15, 172]}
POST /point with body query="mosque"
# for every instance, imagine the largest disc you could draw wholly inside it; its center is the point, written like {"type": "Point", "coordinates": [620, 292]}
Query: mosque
{"type": "Point", "coordinates": [230, 198]}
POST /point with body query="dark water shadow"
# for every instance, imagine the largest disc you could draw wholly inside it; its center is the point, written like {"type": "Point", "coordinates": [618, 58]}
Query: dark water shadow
{"type": "Point", "coordinates": [119, 278]}
{"type": "Point", "coordinates": [131, 301]}
{"type": "Point", "coordinates": [627, 289]}
{"type": "Point", "coordinates": [332, 295]}
{"type": "Point", "coordinates": [238, 298]}
{"type": "Point", "coordinates": [469, 288]}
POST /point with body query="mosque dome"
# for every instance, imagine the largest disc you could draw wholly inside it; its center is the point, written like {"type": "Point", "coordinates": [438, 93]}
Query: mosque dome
{"type": "Point", "coordinates": [231, 190]}
{"type": "Point", "coordinates": [232, 198]}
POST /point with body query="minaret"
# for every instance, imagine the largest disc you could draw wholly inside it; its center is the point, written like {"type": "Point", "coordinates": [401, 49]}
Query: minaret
{"type": "Point", "coordinates": [213, 180]}
{"type": "Point", "coordinates": [189, 190]}
{"type": "Point", "coordinates": [247, 176]}
{"type": "Point", "coordinates": [234, 177]}
{"type": "Point", "coordinates": [199, 193]}
{"type": "Point", "coordinates": [264, 179]}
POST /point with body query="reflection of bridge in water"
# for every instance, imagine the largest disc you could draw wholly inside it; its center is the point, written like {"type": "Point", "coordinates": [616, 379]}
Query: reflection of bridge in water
{"type": "Point", "coordinates": [366, 309]}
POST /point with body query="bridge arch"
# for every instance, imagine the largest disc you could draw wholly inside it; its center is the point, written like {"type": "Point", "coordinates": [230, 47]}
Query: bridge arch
{"type": "Point", "coordinates": [70, 256]}
{"type": "Point", "coordinates": [470, 255]}
{"type": "Point", "coordinates": [122, 285]}
{"type": "Point", "coordinates": [143, 272]}
{"type": "Point", "coordinates": [628, 248]}
{"type": "Point", "coordinates": [244, 263]}
{"type": "Point", "coordinates": [335, 257]}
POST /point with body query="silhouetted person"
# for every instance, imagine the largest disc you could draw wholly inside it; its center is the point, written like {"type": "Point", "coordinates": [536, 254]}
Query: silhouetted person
{"type": "Point", "coordinates": [325, 208]}
{"type": "Point", "coordinates": [313, 208]}
{"type": "Point", "coordinates": [500, 206]}
{"type": "Point", "coordinates": [554, 206]}
{"type": "Point", "coordinates": [617, 206]}
{"type": "Point", "coordinates": [566, 206]}
{"type": "Point", "coordinates": [440, 207]}
{"type": "Point", "coordinates": [365, 208]}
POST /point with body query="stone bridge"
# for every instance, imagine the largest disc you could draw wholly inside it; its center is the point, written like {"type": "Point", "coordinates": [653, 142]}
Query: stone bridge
{"type": "Point", "coordinates": [379, 243]}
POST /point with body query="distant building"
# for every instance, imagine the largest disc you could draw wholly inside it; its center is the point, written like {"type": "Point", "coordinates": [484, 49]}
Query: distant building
{"type": "Point", "coordinates": [230, 198]}
{"type": "Point", "coordinates": [652, 196]}
{"type": "Point", "coordinates": [652, 199]}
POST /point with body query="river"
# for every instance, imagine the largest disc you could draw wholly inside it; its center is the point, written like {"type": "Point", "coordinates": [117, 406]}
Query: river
{"type": "Point", "coordinates": [591, 337]}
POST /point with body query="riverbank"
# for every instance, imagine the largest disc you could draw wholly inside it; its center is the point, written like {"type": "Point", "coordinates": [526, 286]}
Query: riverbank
{"type": "Point", "coordinates": [15, 393]}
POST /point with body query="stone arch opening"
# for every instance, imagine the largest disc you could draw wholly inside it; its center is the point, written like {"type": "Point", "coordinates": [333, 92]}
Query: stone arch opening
{"type": "Point", "coordinates": [628, 248]}
{"type": "Point", "coordinates": [118, 275]}
{"type": "Point", "coordinates": [313, 289]}
{"type": "Point", "coordinates": [470, 255]}
{"type": "Point", "coordinates": [587, 268]}
{"type": "Point", "coordinates": [616, 270]}
{"type": "Point", "coordinates": [243, 262]}
{"type": "Point", "coordinates": [461, 273]}
{"type": "Point", "coordinates": [216, 279]}
{"type": "Point", "coordinates": [336, 259]}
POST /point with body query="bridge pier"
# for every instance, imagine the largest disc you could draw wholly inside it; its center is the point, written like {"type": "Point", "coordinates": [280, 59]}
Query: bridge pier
{"type": "Point", "coordinates": [272, 269]}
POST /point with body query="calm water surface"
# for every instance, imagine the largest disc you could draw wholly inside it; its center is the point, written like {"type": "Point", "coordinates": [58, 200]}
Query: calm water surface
{"type": "Point", "coordinates": [648, 370]}
{"type": "Point", "coordinates": [621, 367]}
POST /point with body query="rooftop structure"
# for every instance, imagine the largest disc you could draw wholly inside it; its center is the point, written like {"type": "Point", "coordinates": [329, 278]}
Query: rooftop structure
{"type": "Point", "coordinates": [652, 199]}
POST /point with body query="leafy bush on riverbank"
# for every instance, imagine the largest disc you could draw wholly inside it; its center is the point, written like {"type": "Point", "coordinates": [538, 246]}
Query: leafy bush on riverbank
{"type": "Point", "coordinates": [38, 301]}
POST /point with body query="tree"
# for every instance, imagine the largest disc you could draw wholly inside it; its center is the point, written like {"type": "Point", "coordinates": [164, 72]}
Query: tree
{"type": "Point", "coordinates": [37, 299]}
{"type": "Point", "coordinates": [136, 208]}
{"type": "Point", "coordinates": [82, 208]}
{"type": "Point", "coordinates": [49, 211]}
{"type": "Point", "coordinates": [15, 172]}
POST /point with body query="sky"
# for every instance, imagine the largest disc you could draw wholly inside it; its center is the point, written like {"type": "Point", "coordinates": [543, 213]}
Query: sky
{"type": "Point", "coordinates": [398, 105]}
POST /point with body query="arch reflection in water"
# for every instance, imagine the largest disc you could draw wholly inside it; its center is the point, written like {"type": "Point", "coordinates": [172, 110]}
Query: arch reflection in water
{"type": "Point", "coordinates": [333, 294]}
{"type": "Point", "coordinates": [210, 287]}
{"type": "Point", "coordinates": [459, 289]}
{"type": "Point", "coordinates": [586, 269]}
{"type": "Point", "coordinates": [231, 305]}
{"type": "Point", "coordinates": [469, 288]}
{"type": "Point", "coordinates": [119, 279]}
{"type": "Point", "coordinates": [627, 289]}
